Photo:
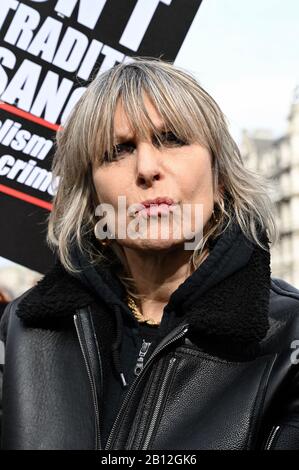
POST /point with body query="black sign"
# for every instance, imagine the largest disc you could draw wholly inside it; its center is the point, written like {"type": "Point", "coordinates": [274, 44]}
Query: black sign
{"type": "Point", "coordinates": [49, 51]}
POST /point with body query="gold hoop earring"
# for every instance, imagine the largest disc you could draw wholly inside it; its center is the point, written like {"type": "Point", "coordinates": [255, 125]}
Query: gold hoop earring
{"type": "Point", "coordinates": [221, 208]}
{"type": "Point", "coordinates": [103, 241]}
{"type": "Point", "coordinates": [216, 220]}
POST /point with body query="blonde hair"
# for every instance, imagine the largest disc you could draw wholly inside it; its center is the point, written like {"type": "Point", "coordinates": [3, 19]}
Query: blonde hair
{"type": "Point", "coordinates": [192, 115]}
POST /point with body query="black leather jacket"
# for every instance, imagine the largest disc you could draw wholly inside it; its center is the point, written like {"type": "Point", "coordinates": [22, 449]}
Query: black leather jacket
{"type": "Point", "coordinates": [225, 375]}
{"type": "Point", "coordinates": [184, 398]}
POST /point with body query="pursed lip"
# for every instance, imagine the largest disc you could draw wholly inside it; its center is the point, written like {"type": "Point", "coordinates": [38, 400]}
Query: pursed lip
{"type": "Point", "coordinates": [156, 201]}
{"type": "Point", "coordinates": [137, 207]}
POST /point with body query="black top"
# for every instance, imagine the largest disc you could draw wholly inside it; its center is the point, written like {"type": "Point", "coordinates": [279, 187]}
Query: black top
{"type": "Point", "coordinates": [148, 331]}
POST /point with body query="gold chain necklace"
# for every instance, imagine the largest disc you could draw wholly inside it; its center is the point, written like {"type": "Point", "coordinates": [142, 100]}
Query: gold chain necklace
{"type": "Point", "coordinates": [137, 314]}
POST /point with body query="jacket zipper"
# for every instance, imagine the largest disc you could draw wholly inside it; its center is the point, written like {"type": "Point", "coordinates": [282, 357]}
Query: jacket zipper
{"type": "Point", "coordinates": [140, 360]}
{"type": "Point", "coordinates": [78, 325]}
{"type": "Point", "coordinates": [138, 379]}
{"type": "Point", "coordinates": [271, 437]}
{"type": "Point", "coordinates": [159, 402]}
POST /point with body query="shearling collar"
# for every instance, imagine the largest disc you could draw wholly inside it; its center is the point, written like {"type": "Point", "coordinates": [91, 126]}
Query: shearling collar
{"type": "Point", "coordinates": [225, 301]}
{"type": "Point", "coordinates": [55, 297]}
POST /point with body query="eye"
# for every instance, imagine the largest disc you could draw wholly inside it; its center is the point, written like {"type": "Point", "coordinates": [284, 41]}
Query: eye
{"type": "Point", "coordinates": [169, 138]}
{"type": "Point", "coordinates": [120, 150]}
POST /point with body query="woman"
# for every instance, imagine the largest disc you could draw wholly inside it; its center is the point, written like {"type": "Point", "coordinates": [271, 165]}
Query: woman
{"type": "Point", "coordinates": [146, 342]}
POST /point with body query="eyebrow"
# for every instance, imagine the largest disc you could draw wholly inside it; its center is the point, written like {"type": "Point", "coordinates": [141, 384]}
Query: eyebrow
{"type": "Point", "coordinates": [127, 138]}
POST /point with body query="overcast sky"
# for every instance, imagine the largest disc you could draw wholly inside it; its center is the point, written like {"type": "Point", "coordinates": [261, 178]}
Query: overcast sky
{"type": "Point", "coordinates": [246, 55]}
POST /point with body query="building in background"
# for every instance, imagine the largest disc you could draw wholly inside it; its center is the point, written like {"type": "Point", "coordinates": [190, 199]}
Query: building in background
{"type": "Point", "coordinates": [278, 160]}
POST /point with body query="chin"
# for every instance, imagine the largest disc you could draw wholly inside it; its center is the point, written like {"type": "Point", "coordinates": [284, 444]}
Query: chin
{"type": "Point", "coordinates": [151, 245]}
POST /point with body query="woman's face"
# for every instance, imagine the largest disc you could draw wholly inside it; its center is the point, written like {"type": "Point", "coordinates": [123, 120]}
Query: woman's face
{"type": "Point", "coordinates": [144, 170]}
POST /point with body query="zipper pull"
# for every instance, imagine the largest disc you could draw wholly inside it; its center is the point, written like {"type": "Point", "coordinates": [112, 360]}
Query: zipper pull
{"type": "Point", "coordinates": [139, 364]}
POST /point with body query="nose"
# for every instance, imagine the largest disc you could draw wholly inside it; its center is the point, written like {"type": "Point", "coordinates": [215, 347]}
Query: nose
{"type": "Point", "coordinates": [147, 164]}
